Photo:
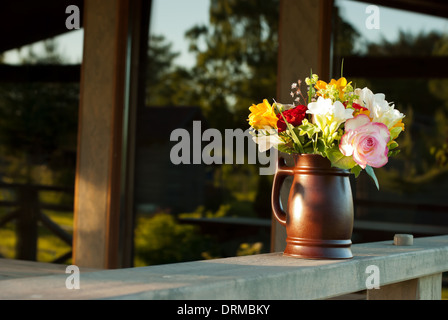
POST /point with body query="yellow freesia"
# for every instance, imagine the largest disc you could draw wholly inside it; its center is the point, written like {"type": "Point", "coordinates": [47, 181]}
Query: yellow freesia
{"type": "Point", "coordinates": [399, 124]}
{"type": "Point", "coordinates": [262, 115]}
{"type": "Point", "coordinates": [324, 89]}
{"type": "Point", "coordinates": [340, 85]}
{"type": "Point", "coordinates": [321, 85]}
{"type": "Point", "coordinates": [362, 111]}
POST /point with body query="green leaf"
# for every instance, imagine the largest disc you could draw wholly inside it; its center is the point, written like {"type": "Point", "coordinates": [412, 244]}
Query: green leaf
{"type": "Point", "coordinates": [311, 92]}
{"type": "Point", "coordinates": [339, 160]}
{"type": "Point", "coordinates": [371, 173]}
{"type": "Point", "coordinates": [285, 148]}
{"type": "Point", "coordinates": [308, 128]}
{"type": "Point", "coordinates": [393, 153]}
{"type": "Point", "coordinates": [393, 145]}
{"type": "Point", "coordinates": [321, 148]}
{"type": "Point", "coordinates": [394, 132]}
{"type": "Point", "coordinates": [356, 170]}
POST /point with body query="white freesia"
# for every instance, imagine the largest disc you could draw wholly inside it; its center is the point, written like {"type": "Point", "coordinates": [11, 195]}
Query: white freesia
{"type": "Point", "coordinates": [266, 139]}
{"type": "Point", "coordinates": [380, 110]}
{"type": "Point", "coordinates": [366, 97]}
{"type": "Point", "coordinates": [392, 117]}
{"type": "Point", "coordinates": [326, 112]}
{"type": "Point", "coordinates": [384, 113]}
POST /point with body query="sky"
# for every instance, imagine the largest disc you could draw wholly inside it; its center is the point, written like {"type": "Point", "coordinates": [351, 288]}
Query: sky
{"type": "Point", "coordinates": [390, 20]}
{"type": "Point", "coordinates": [173, 17]}
{"type": "Point", "coordinates": [174, 22]}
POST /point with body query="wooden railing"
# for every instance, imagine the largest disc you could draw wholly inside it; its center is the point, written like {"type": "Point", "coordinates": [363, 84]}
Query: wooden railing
{"type": "Point", "coordinates": [26, 211]}
{"type": "Point", "coordinates": [381, 269]}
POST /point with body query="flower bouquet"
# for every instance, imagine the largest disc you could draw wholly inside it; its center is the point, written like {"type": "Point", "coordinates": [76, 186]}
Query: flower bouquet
{"type": "Point", "coordinates": [352, 127]}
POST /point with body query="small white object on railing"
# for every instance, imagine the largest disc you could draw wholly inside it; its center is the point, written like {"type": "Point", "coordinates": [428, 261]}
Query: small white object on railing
{"type": "Point", "coordinates": [403, 240]}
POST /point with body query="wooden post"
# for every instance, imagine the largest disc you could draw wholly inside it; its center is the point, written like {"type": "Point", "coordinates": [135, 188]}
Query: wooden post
{"type": "Point", "coordinates": [99, 166]}
{"type": "Point", "coordinates": [304, 33]}
{"type": "Point", "coordinates": [27, 217]}
{"type": "Point", "coordinates": [425, 288]}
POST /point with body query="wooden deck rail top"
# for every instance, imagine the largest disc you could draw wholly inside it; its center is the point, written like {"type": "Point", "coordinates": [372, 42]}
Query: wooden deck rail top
{"type": "Point", "coordinates": [402, 272]}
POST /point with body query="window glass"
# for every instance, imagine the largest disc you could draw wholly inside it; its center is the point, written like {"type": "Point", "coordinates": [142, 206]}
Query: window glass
{"type": "Point", "coordinates": [39, 97]}
{"type": "Point", "coordinates": [208, 62]}
{"type": "Point", "coordinates": [401, 58]}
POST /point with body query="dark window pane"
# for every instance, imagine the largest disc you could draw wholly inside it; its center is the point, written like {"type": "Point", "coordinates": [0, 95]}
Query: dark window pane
{"type": "Point", "coordinates": [206, 67]}
{"type": "Point", "coordinates": [404, 59]}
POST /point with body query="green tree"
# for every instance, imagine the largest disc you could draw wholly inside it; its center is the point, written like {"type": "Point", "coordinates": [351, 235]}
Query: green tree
{"type": "Point", "coordinates": [167, 84]}
{"type": "Point", "coordinates": [38, 124]}
{"type": "Point", "coordinates": [236, 66]}
{"type": "Point", "coordinates": [423, 102]}
{"type": "Point", "coordinates": [407, 44]}
{"type": "Point", "coordinates": [236, 59]}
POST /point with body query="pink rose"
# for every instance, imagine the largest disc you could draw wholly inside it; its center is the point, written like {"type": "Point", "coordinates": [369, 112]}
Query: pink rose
{"type": "Point", "coordinates": [366, 141]}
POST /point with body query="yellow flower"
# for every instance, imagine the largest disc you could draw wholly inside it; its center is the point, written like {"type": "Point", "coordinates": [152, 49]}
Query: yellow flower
{"type": "Point", "coordinates": [340, 85]}
{"type": "Point", "coordinates": [362, 111]}
{"type": "Point", "coordinates": [321, 87]}
{"type": "Point", "coordinates": [262, 116]}
{"type": "Point", "coordinates": [328, 90]}
{"type": "Point", "coordinates": [399, 124]}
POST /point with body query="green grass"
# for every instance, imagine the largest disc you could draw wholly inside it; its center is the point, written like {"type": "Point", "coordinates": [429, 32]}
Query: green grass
{"type": "Point", "coordinates": [49, 246]}
{"type": "Point", "coordinates": [8, 241]}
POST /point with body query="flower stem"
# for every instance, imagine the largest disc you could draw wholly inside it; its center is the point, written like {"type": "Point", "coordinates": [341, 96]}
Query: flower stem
{"type": "Point", "coordinates": [291, 130]}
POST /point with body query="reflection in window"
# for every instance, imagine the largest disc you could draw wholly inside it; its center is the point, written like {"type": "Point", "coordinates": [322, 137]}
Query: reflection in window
{"type": "Point", "coordinates": [39, 97]}
{"type": "Point", "coordinates": [231, 64]}
{"type": "Point", "coordinates": [403, 60]}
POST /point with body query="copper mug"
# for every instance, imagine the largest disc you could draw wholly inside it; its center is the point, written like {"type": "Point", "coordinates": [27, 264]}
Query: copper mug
{"type": "Point", "coordinates": [319, 214]}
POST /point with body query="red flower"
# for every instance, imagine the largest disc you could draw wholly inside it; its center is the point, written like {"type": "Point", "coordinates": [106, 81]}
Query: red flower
{"type": "Point", "coordinates": [355, 106]}
{"type": "Point", "coordinates": [358, 107]}
{"type": "Point", "coordinates": [294, 116]}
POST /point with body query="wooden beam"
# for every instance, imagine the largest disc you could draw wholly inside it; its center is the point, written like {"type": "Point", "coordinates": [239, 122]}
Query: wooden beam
{"type": "Point", "coordinates": [40, 73]}
{"type": "Point", "coordinates": [116, 38]}
{"type": "Point", "coordinates": [140, 12]}
{"type": "Point", "coordinates": [424, 288]}
{"type": "Point", "coordinates": [438, 8]}
{"type": "Point", "coordinates": [97, 185]}
{"type": "Point", "coordinates": [325, 34]}
{"type": "Point", "coordinates": [116, 138]}
{"type": "Point", "coordinates": [396, 67]}
{"type": "Point", "coordinates": [27, 21]}
{"type": "Point", "coordinates": [298, 44]}
{"type": "Point", "coordinates": [304, 36]}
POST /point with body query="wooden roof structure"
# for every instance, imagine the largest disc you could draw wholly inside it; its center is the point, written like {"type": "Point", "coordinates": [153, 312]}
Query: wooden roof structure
{"type": "Point", "coordinates": [25, 22]}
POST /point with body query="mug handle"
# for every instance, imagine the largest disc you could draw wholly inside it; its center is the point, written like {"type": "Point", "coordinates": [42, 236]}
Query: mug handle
{"type": "Point", "coordinates": [282, 172]}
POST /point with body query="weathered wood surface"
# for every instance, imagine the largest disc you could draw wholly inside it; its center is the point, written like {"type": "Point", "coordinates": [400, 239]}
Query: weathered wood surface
{"type": "Point", "coordinates": [16, 269]}
{"type": "Point", "coordinates": [266, 276]}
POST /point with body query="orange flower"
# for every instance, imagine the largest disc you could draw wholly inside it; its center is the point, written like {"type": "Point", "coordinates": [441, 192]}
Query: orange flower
{"type": "Point", "coordinates": [321, 85]}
